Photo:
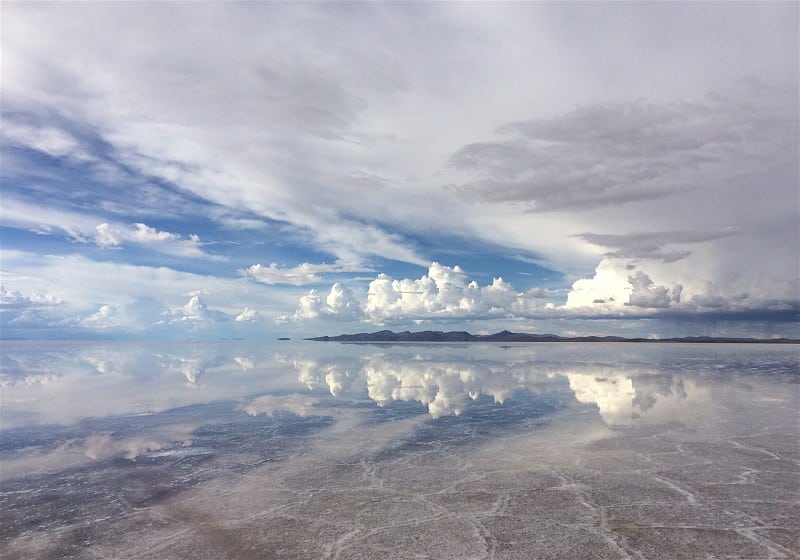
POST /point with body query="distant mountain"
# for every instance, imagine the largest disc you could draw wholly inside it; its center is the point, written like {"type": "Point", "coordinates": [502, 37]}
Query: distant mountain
{"type": "Point", "coordinates": [507, 336]}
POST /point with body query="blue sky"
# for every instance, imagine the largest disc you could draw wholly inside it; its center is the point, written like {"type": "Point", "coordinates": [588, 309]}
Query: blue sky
{"type": "Point", "coordinates": [190, 170]}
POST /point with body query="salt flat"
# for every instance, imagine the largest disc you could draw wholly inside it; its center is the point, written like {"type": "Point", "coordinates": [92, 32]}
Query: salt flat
{"type": "Point", "coordinates": [309, 450]}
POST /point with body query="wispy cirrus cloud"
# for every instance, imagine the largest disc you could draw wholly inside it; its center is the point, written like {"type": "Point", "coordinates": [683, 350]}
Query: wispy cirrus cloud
{"type": "Point", "coordinates": [47, 139]}
{"type": "Point", "coordinates": [83, 228]}
{"type": "Point", "coordinates": [305, 273]}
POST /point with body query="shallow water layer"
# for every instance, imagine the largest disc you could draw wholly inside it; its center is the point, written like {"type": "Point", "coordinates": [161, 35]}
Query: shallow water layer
{"type": "Point", "coordinates": [319, 450]}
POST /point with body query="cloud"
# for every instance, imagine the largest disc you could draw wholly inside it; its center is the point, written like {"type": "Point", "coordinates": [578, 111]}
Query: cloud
{"type": "Point", "coordinates": [613, 288]}
{"type": "Point", "coordinates": [618, 289]}
{"type": "Point", "coordinates": [653, 245]}
{"type": "Point", "coordinates": [114, 316]}
{"type": "Point", "coordinates": [443, 292]}
{"type": "Point", "coordinates": [82, 295]}
{"type": "Point", "coordinates": [18, 311]}
{"type": "Point", "coordinates": [196, 312]}
{"type": "Point", "coordinates": [161, 241]}
{"type": "Point", "coordinates": [312, 105]}
{"type": "Point", "coordinates": [711, 297]}
{"type": "Point", "coordinates": [147, 314]}
{"type": "Point", "coordinates": [272, 126]}
{"type": "Point", "coordinates": [617, 153]}
{"type": "Point", "coordinates": [147, 234]}
{"type": "Point", "coordinates": [14, 299]}
{"type": "Point", "coordinates": [340, 304]}
{"type": "Point", "coordinates": [352, 241]}
{"type": "Point", "coordinates": [84, 228]}
{"type": "Point", "coordinates": [306, 273]}
{"type": "Point", "coordinates": [609, 287]}
{"type": "Point", "coordinates": [646, 294]}
{"type": "Point", "coordinates": [247, 315]}
{"type": "Point", "coordinates": [46, 139]}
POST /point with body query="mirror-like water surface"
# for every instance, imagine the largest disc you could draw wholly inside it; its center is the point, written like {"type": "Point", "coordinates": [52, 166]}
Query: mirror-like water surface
{"type": "Point", "coordinates": [320, 450]}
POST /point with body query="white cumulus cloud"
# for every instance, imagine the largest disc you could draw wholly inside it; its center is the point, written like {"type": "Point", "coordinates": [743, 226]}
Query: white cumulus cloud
{"type": "Point", "coordinates": [196, 310]}
{"type": "Point", "coordinates": [13, 298]}
{"type": "Point", "coordinates": [247, 315]}
{"type": "Point", "coordinates": [617, 285]}
{"type": "Point", "coordinates": [646, 294]}
{"type": "Point", "coordinates": [443, 292]}
{"type": "Point", "coordinates": [340, 304]}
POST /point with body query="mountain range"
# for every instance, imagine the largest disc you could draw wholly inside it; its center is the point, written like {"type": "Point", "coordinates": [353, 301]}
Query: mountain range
{"type": "Point", "coordinates": [508, 336]}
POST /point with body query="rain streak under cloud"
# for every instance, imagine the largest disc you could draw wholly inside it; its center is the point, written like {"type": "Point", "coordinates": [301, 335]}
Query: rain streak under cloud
{"type": "Point", "coordinates": [259, 168]}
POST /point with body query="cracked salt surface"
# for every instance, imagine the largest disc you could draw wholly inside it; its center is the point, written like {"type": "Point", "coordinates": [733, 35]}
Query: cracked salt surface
{"type": "Point", "coordinates": [362, 452]}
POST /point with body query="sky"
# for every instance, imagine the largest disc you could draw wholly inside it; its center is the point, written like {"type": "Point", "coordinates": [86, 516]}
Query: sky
{"type": "Point", "coordinates": [252, 170]}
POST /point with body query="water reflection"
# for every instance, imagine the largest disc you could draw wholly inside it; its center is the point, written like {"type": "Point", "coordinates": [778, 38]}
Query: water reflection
{"type": "Point", "coordinates": [67, 383]}
{"type": "Point", "coordinates": [642, 396]}
{"type": "Point", "coordinates": [444, 387]}
{"type": "Point", "coordinates": [299, 405]}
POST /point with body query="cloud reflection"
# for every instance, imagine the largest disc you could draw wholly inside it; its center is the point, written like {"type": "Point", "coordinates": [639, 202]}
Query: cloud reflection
{"type": "Point", "coordinates": [640, 397]}
{"type": "Point", "coordinates": [55, 383]}
{"type": "Point", "coordinates": [443, 387]}
{"type": "Point", "coordinates": [301, 405]}
{"type": "Point", "coordinates": [623, 396]}
{"type": "Point", "coordinates": [106, 446]}
{"type": "Point", "coordinates": [66, 385]}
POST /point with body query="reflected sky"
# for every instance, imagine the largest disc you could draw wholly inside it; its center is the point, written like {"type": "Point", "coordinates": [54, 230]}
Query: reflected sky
{"type": "Point", "coordinates": [121, 432]}
{"type": "Point", "coordinates": [68, 383]}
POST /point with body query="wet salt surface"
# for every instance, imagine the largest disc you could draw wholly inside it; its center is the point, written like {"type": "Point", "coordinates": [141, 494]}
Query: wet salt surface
{"type": "Point", "coordinates": [315, 450]}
